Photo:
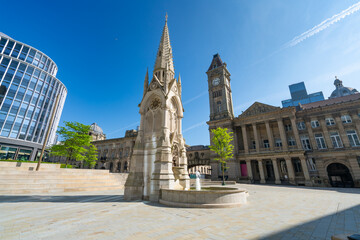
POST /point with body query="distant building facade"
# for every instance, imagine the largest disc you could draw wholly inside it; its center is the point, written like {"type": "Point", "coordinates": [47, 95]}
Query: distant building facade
{"type": "Point", "coordinates": [115, 154]}
{"type": "Point", "coordinates": [96, 133]}
{"type": "Point", "coordinates": [299, 95]}
{"type": "Point", "coordinates": [316, 144]}
{"type": "Point", "coordinates": [28, 91]}
{"type": "Point", "coordinates": [199, 159]}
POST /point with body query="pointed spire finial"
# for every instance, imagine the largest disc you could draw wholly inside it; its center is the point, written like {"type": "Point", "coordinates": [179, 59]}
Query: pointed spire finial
{"type": "Point", "coordinates": [179, 79]}
{"type": "Point", "coordinates": [166, 17]}
{"type": "Point", "coordinates": [146, 81]}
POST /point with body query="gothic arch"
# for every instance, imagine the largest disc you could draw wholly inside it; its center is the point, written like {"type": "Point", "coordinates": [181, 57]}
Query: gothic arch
{"type": "Point", "coordinates": [145, 104]}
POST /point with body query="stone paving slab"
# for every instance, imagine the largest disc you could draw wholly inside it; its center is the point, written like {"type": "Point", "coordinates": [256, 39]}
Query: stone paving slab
{"type": "Point", "coordinates": [272, 212]}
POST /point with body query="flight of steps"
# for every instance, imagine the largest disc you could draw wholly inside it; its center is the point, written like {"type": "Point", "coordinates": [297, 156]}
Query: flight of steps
{"type": "Point", "coordinates": [16, 178]}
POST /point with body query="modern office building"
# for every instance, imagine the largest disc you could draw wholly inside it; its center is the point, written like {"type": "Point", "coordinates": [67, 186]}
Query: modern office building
{"type": "Point", "coordinates": [299, 95]}
{"type": "Point", "coordinates": [28, 91]}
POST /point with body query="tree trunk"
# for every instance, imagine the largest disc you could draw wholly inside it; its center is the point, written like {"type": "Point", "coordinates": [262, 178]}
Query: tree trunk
{"type": "Point", "coordinates": [223, 173]}
{"type": "Point", "coordinates": [67, 160]}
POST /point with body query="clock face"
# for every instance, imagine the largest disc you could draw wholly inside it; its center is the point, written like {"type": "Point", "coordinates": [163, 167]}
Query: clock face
{"type": "Point", "coordinates": [216, 81]}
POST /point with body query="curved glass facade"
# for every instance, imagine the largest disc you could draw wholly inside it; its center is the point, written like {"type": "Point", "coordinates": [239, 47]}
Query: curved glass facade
{"type": "Point", "coordinates": [28, 90]}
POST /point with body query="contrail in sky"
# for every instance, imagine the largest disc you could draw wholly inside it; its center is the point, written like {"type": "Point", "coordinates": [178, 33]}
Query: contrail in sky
{"type": "Point", "coordinates": [323, 25]}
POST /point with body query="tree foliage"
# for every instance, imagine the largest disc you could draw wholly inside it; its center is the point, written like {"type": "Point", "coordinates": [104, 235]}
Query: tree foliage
{"type": "Point", "coordinates": [75, 141]}
{"type": "Point", "coordinates": [91, 156]}
{"type": "Point", "coordinates": [221, 145]}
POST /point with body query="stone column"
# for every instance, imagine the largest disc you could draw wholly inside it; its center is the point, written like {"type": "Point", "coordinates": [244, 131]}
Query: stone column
{"type": "Point", "coordinates": [256, 137]}
{"type": "Point", "coordinates": [261, 170]}
{"type": "Point", "coordinates": [269, 135]}
{"type": "Point", "coordinates": [276, 171]}
{"type": "Point", "coordinates": [296, 133]}
{"type": "Point", "coordinates": [245, 139]}
{"type": "Point", "coordinates": [342, 132]}
{"type": "Point", "coordinates": [282, 134]}
{"type": "Point", "coordinates": [249, 170]}
{"type": "Point", "coordinates": [326, 133]}
{"type": "Point", "coordinates": [311, 135]}
{"type": "Point", "coordinates": [290, 170]}
{"type": "Point", "coordinates": [236, 145]}
{"type": "Point", "coordinates": [305, 171]}
{"type": "Point", "coordinates": [355, 169]}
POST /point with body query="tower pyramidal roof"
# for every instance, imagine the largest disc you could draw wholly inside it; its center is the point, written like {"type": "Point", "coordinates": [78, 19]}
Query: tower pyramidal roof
{"type": "Point", "coordinates": [164, 58]}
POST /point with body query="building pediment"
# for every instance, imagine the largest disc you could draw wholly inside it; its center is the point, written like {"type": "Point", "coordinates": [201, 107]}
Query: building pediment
{"type": "Point", "coordinates": [259, 108]}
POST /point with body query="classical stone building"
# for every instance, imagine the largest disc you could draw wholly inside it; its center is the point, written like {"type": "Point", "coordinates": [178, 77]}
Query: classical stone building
{"type": "Point", "coordinates": [314, 144]}
{"type": "Point", "coordinates": [96, 132]}
{"type": "Point", "coordinates": [198, 159]}
{"type": "Point", "coordinates": [115, 154]}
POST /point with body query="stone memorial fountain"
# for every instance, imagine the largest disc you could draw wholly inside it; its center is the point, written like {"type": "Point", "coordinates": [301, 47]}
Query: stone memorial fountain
{"type": "Point", "coordinates": [158, 170]}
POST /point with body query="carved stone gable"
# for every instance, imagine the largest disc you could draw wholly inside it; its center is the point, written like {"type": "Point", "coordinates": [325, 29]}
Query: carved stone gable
{"type": "Point", "coordinates": [259, 108]}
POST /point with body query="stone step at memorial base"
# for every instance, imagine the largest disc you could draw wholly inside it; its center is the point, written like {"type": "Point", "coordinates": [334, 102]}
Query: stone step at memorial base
{"type": "Point", "coordinates": [22, 179]}
{"type": "Point", "coordinates": [57, 190]}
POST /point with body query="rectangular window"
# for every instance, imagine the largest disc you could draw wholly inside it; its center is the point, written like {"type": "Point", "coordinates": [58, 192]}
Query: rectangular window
{"type": "Point", "coordinates": [353, 138]}
{"type": "Point", "coordinates": [346, 119]}
{"type": "Point", "coordinates": [301, 125]}
{"type": "Point", "coordinates": [253, 145]}
{"type": "Point", "coordinates": [291, 141]}
{"type": "Point", "coordinates": [266, 143]}
{"type": "Point", "coordinates": [358, 160]}
{"type": "Point", "coordinates": [278, 143]}
{"type": "Point", "coordinates": [336, 140]}
{"type": "Point", "coordinates": [16, 50]}
{"type": "Point", "coordinates": [330, 121]}
{"type": "Point", "coordinates": [297, 166]}
{"type": "Point", "coordinates": [288, 127]}
{"type": "Point", "coordinates": [320, 141]}
{"type": "Point", "coordinates": [311, 164]}
{"type": "Point", "coordinates": [315, 124]}
{"type": "Point", "coordinates": [305, 142]}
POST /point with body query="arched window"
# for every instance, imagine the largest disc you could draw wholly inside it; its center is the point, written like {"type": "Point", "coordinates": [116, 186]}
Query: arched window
{"type": "Point", "coordinates": [218, 106]}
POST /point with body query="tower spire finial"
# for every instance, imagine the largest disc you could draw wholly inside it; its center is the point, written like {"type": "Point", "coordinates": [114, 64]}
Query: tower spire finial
{"type": "Point", "coordinates": [166, 17]}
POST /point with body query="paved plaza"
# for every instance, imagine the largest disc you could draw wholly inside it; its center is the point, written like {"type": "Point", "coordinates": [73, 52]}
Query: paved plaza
{"type": "Point", "coordinates": [272, 212]}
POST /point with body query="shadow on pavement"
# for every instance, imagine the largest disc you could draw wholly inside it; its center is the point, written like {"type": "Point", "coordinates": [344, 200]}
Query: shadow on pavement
{"type": "Point", "coordinates": [341, 222]}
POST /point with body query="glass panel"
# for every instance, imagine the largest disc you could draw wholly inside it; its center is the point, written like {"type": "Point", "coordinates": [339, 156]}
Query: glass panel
{"type": "Point", "coordinates": [2, 44]}
{"type": "Point", "coordinates": [16, 50]}
{"type": "Point", "coordinates": [23, 108]}
{"type": "Point", "coordinates": [6, 105]}
{"type": "Point", "coordinates": [7, 153]}
{"type": "Point", "coordinates": [24, 155]}
{"type": "Point", "coordinates": [20, 94]}
{"type": "Point", "coordinates": [9, 47]}
{"type": "Point", "coordinates": [23, 53]}
{"type": "Point", "coordinates": [15, 107]}
{"type": "Point", "coordinates": [31, 55]}
{"type": "Point", "coordinates": [2, 119]}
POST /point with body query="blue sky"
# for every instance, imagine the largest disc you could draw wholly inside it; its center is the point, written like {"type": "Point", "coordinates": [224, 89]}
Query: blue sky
{"type": "Point", "coordinates": [102, 49]}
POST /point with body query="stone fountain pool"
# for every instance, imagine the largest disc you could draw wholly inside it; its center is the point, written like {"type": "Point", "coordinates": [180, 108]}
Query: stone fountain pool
{"type": "Point", "coordinates": [208, 197]}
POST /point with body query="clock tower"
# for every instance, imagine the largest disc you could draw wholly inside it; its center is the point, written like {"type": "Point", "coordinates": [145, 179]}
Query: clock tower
{"type": "Point", "coordinates": [220, 97]}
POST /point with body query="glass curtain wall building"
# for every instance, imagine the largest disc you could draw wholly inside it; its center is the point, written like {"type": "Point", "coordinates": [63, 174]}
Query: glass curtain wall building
{"type": "Point", "coordinates": [28, 91]}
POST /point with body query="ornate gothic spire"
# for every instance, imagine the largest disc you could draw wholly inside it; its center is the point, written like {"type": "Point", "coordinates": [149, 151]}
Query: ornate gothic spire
{"type": "Point", "coordinates": [146, 81]}
{"type": "Point", "coordinates": [164, 54]}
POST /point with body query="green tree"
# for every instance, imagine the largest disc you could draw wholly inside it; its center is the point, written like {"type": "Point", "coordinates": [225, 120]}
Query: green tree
{"type": "Point", "coordinates": [75, 141]}
{"type": "Point", "coordinates": [91, 156]}
{"type": "Point", "coordinates": [222, 147]}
